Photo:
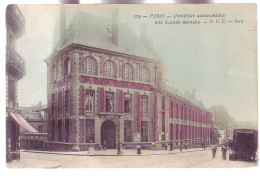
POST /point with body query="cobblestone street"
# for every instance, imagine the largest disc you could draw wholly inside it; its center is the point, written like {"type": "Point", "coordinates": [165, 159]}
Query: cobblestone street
{"type": "Point", "coordinates": [196, 158]}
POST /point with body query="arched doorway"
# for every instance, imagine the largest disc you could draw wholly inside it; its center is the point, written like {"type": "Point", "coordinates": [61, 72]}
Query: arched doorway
{"type": "Point", "coordinates": [108, 134]}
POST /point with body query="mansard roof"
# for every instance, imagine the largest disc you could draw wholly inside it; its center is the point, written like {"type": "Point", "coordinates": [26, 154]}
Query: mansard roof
{"type": "Point", "coordinates": [187, 98]}
{"type": "Point", "coordinates": [95, 31]}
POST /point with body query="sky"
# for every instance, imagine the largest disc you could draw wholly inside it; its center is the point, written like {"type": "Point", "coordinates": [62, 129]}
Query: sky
{"type": "Point", "coordinates": [218, 61]}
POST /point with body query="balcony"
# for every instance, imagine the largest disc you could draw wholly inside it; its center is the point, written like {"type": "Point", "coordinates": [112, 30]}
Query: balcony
{"type": "Point", "coordinates": [15, 64]}
{"type": "Point", "coordinates": [15, 20]}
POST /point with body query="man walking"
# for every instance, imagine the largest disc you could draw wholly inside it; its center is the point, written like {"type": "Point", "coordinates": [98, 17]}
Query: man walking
{"type": "Point", "coordinates": [224, 151]}
{"type": "Point", "coordinates": [171, 146]}
{"type": "Point", "coordinates": [214, 150]}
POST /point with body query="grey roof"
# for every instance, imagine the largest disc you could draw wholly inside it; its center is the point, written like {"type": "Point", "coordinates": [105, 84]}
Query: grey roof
{"type": "Point", "coordinates": [30, 113]}
{"type": "Point", "coordinates": [187, 98]}
{"type": "Point", "coordinates": [32, 116]}
{"type": "Point", "coordinates": [95, 31]}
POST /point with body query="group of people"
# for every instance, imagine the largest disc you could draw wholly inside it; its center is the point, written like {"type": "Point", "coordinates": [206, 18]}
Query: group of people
{"type": "Point", "coordinates": [214, 149]}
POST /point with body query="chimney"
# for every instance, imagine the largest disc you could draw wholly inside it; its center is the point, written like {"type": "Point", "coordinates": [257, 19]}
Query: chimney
{"type": "Point", "coordinates": [193, 93]}
{"type": "Point", "coordinates": [115, 26]}
{"type": "Point", "coordinates": [62, 25]}
{"type": "Point", "coordinates": [143, 32]}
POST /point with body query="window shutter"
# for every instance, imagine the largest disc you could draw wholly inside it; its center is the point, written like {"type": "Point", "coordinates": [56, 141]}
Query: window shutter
{"type": "Point", "coordinates": [120, 103]}
{"type": "Point", "coordinates": [138, 111]}
{"type": "Point", "coordinates": [53, 104]}
{"type": "Point", "coordinates": [101, 99]}
{"type": "Point", "coordinates": [81, 102]}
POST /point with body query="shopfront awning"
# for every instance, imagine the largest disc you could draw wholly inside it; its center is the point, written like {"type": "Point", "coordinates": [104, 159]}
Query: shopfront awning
{"type": "Point", "coordinates": [22, 122]}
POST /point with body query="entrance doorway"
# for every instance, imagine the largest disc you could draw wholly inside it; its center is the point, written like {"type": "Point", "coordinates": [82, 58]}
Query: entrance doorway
{"type": "Point", "coordinates": [108, 134]}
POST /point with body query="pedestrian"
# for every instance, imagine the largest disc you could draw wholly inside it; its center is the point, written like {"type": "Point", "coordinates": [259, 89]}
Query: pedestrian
{"type": "Point", "coordinates": [181, 146]}
{"type": "Point", "coordinates": [153, 146]}
{"type": "Point", "coordinates": [214, 150]}
{"type": "Point", "coordinates": [104, 145]}
{"type": "Point", "coordinates": [186, 146]}
{"type": "Point", "coordinates": [224, 151]}
{"type": "Point", "coordinates": [171, 146]}
{"type": "Point", "coordinates": [138, 149]}
{"type": "Point", "coordinates": [166, 146]}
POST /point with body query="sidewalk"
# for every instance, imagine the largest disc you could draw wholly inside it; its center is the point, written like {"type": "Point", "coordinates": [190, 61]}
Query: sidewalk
{"type": "Point", "coordinates": [33, 163]}
{"type": "Point", "coordinates": [113, 152]}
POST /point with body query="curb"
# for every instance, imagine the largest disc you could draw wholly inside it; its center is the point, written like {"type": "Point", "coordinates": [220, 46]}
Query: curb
{"type": "Point", "coordinates": [93, 155]}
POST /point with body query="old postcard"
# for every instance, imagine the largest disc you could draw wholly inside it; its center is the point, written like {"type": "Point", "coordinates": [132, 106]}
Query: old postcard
{"type": "Point", "coordinates": [131, 86]}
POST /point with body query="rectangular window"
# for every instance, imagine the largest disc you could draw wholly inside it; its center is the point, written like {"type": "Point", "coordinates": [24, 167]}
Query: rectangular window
{"type": "Point", "coordinates": [11, 90]}
{"type": "Point", "coordinates": [145, 104]}
{"type": "Point", "coordinates": [163, 137]}
{"type": "Point", "coordinates": [177, 111]}
{"type": "Point", "coordinates": [40, 129]}
{"type": "Point", "coordinates": [109, 102]}
{"type": "Point", "coordinates": [144, 131]}
{"type": "Point", "coordinates": [127, 131]}
{"type": "Point", "coordinates": [163, 103]}
{"type": "Point", "coordinates": [181, 112]}
{"type": "Point", "coordinates": [163, 121]}
{"type": "Point", "coordinates": [171, 109]}
{"type": "Point", "coordinates": [177, 128]}
{"type": "Point", "coordinates": [90, 95]}
{"type": "Point", "coordinates": [53, 131]}
{"type": "Point", "coordinates": [59, 130]}
{"type": "Point", "coordinates": [60, 102]}
{"type": "Point", "coordinates": [127, 103]}
{"type": "Point", "coordinates": [90, 130]}
{"type": "Point", "coordinates": [67, 101]}
{"type": "Point", "coordinates": [67, 130]}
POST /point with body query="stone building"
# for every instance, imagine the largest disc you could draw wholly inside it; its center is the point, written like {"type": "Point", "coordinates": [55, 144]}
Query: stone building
{"type": "Point", "coordinates": [15, 70]}
{"type": "Point", "coordinates": [106, 84]}
{"type": "Point", "coordinates": [36, 116]}
{"type": "Point", "coordinates": [222, 118]}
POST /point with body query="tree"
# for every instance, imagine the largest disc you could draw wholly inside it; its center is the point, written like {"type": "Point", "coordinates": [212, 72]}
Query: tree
{"type": "Point", "coordinates": [214, 135]}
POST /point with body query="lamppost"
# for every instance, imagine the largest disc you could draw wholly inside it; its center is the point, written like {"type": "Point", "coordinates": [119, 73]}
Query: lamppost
{"type": "Point", "coordinates": [118, 147]}
{"type": "Point", "coordinates": [181, 142]}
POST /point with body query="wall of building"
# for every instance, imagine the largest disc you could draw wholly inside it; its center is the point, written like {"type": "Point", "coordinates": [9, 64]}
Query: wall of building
{"type": "Point", "coordinates": [159, 122]}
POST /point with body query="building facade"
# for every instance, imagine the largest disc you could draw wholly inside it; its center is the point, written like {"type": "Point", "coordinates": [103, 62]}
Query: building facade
{"type": "Point", "coordinates": [15, 70]}
{"type": "Point", "coordinates": [36, 116]}
{"type": "Point", "coordinates": [222, 118]}
{"type": "Point", "coordinates": [106, 84]}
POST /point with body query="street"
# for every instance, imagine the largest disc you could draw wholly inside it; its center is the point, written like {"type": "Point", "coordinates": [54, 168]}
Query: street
{"type": "Point", "coordinates": [176, 159]}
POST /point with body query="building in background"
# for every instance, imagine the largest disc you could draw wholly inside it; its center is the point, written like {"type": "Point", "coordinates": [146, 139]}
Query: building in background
{"type": "Point", "coordinates": [36, 116]}
{"type": "Point", "coordinates": [15, 70]}
{"type": "Point", "coordinates": [221, 132]}
{"type": "Point", "coordinates": [221, 118]}
{"type": "Point", "coordinates": [106, 84]}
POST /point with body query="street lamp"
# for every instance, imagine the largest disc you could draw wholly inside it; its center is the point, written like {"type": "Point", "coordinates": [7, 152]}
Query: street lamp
{"type": "Point", "coordinates": [118, 148]}
{"type": "Point", "coordinates": [181, 142]}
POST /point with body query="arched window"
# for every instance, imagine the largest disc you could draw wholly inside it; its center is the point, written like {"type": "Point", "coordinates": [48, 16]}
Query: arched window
{"type": "Point", "coordinates": [129, 72]}
{"type": "Point", "coordinates": [90, 66]}
{"type": "Point", "coordinates": [67, 67]}
{"type": "Point", "coordinates": [145, 77]}
{"type": "Point", "coordinates": [110, 69]}
{"type": "Point", "coordinates": [54, 72]}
